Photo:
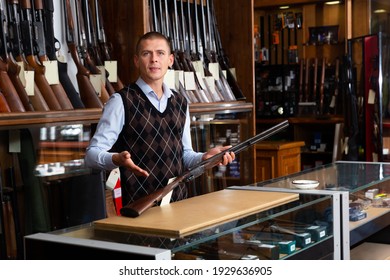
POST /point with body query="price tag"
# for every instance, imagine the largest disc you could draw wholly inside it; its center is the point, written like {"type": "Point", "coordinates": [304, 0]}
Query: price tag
{"type": "Point", "coordinates": [112, 178]}
{"type": "Point", "coordinates": [169, 79]}
{"type": "Point", "coordinates": [112, 68]}
{"type": "Point", "coordinates": [371, 97]}
{"type": "Point", "coordinates": [96, 81]}
{"type": "Point", "coordinates": [29, 77]}
{"type": "Point", "coordinates": [51, 72]}
{"type": "Point", "coordinates": [189, 81]}
{"type": "Point", "coordinates": [214, 70]}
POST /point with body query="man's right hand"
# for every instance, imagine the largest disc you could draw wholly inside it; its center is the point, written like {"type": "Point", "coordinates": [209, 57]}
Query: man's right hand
{"type": "Point", "coordinates": [124, 159]}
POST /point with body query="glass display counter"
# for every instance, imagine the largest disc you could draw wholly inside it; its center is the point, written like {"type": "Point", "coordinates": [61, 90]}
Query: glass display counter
{"type": "Point", "coordinates": [363, 191]}
{"type": "Point", "coordinates": [300, 228]}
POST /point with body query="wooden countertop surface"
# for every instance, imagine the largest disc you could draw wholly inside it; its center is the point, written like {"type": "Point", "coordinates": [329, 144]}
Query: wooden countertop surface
{"type": "Point", "coordinates": [195, 214]}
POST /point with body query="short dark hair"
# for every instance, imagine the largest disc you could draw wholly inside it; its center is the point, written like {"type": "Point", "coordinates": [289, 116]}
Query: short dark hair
{"type": "Point", "coordinates": [152, 35]}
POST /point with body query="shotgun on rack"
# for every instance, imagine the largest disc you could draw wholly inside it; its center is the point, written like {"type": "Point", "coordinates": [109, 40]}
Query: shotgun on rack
{"type": "Point", "coordinates": [141, 205]}
{"type": "Point", "coordinates": [88, 94]}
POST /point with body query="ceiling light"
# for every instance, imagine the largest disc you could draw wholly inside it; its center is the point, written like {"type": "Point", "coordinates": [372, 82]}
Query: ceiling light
{"type": "Point", "coordinates": [332, 2]}
{"type": "Point", "coordinates": [380, 11]}
{"type": "Point", "coordinates": [284, 7]}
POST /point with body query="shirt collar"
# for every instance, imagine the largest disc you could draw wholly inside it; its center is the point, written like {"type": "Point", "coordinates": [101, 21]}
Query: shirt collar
{"type": "Point", "coordinates": [148, 90]}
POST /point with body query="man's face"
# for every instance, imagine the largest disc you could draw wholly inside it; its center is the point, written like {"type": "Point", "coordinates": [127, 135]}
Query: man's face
{"type": "Point", "coordinates": [153, 59]}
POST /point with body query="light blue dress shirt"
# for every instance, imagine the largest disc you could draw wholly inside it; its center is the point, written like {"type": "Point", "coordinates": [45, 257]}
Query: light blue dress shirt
{"type": "Point", "coordinates": [112, 121]}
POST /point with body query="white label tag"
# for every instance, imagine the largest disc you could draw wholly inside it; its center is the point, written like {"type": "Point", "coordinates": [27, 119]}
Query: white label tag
{"type": "Point", "coordinates": [169, 79]}
{"type": "Point", "coordinates": [167, 198]}
{"type": "Point", "coordinates": [371, 97]}
{"type": "Point", "coordinates": [112, 178]}
{"type": "Point", "coordinates": [112, 68]}
{"type": "Point", "coordinates": [103, 74]}
{"type": "Point", "coordinates": [189, 79]}
{"type": "Point", "coordinates": [198, 66]}
{"type": "Point", "coordinates": [51, 72]}
{"type": "Point", "coordinates": [96, 81]}
{"type": "Point", "coordinates": [214, 70]}
{"type": "Point", "coordinates": [29, 78]}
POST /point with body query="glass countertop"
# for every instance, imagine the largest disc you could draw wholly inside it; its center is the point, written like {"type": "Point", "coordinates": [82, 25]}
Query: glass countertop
{"type": "Point", "coordinates": [337, 176]}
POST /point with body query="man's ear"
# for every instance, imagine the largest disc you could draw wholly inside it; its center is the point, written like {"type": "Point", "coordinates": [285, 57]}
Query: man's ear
{"type": "Point", "coordinates": [171, 59]}
{"type": "Point", "coordinates": [136, 61]}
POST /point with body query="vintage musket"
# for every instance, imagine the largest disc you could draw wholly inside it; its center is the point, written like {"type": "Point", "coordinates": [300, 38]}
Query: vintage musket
{"type": "Point", "coordinates": [139, 206]}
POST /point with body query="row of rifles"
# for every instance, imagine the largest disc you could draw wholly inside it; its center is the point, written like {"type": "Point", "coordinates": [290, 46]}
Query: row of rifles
{"type": "Point", "coordinates": [33, 77]}
{"type": "Point", "coordinates": [201, 70]}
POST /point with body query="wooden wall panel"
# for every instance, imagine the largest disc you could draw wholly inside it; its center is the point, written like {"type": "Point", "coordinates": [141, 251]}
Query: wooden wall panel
{"type": "Point", "coordinates": [125, 22]}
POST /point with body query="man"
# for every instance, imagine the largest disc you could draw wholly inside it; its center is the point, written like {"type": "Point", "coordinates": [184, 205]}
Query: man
{"type": "Point", "coordinates": [145, 128]}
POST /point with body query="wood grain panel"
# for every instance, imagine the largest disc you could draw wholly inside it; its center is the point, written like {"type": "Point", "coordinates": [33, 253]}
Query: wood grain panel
{"type": "Point", "coordinates": [197, 213]}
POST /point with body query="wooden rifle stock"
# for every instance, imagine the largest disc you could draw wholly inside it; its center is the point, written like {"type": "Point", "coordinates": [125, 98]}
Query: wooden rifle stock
{"type": "Point", "coordinates": [37, 100]}
{"type": "Point", "coordinates": [139, 206]}
{"type": "Point", "coordinates": [43, 84]}
{"type": "Point", "coordinates": [13, 73]}
{"type": "Point", "coordinates": [52, 46]}
{"type": "Point", "coordinates": [104, 46]}
{"type": "Point", "coordinates": [88, 94]}
{"type": "Point", "coordinates": [26, 25]}
{"type": "Point", "coordinates": [38, 23]}
{"type": "Point", "coordinates": [8, 89]}
{"type": "Point", "coordinates": [4, 108]}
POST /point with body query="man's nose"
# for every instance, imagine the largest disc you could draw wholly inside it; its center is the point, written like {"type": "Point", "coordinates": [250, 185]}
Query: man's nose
{"type": "Point", "coordinates": [154, 57]}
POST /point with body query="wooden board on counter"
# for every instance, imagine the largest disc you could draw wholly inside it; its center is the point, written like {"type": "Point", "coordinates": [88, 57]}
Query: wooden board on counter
{"type": "Point", "coordinates": [197, 213]}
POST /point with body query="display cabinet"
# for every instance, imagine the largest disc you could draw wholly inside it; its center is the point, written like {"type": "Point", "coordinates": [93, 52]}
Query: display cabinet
{"type": "Point", "coordinates": [363, 191]}
{"type": "Point", "coordinates": [269, 225]}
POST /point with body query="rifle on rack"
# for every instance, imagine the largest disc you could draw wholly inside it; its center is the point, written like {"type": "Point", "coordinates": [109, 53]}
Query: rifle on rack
{"type": "Point", "coordinates": [4, 108]}
{"type": "Point", "coordinates": [141, 205]}
{"type": "Point", "coordinates": [53, 46]}
{"type": "Point", "coordinates": [87, 92]}
{"type": "Point", "coordinates": [13, 67]}
{"type": "Point", "coordinates": [40, 45]}
{"type": "Point", "coordinates": [104, 46]}
{"type": "Point", "coordinates": [197, 54]}
{"type": "Point", "coordinates": [92, 45]}
{"type": "Point", "coordinates": [6, 85]}
{"type": "Point", "coordinates": [211, 55]}
{"type": "Point", "coordinates": [89, 63]}
{"type": "Point", "coordinates": [222, 57]}
{"type": "Point", "coordinates": [27, 31]}
{"type": "Point", "coordinates": [15, 40]}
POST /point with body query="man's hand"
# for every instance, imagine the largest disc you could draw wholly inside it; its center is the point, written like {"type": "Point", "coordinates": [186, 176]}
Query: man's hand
{"type": "Point", "coordinates": [228, 157]}
{"type": "Point", "coordinates": [124, 159]}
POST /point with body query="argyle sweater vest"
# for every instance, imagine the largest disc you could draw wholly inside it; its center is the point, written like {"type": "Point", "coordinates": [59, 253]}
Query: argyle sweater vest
{"type": "Point", "coordinates": [154, 140]}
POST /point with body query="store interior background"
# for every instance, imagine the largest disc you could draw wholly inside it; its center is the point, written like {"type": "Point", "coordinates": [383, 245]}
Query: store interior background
{"type": "Point", "coordinates": [379, 21]}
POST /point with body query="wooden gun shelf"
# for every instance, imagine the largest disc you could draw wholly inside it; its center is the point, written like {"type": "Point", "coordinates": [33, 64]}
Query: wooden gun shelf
{"type": "Point", "coordinates": [28, 119]}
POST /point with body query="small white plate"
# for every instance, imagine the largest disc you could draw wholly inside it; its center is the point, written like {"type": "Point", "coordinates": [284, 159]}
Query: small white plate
{"type": "Point", "coordinates": [305, 184]}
